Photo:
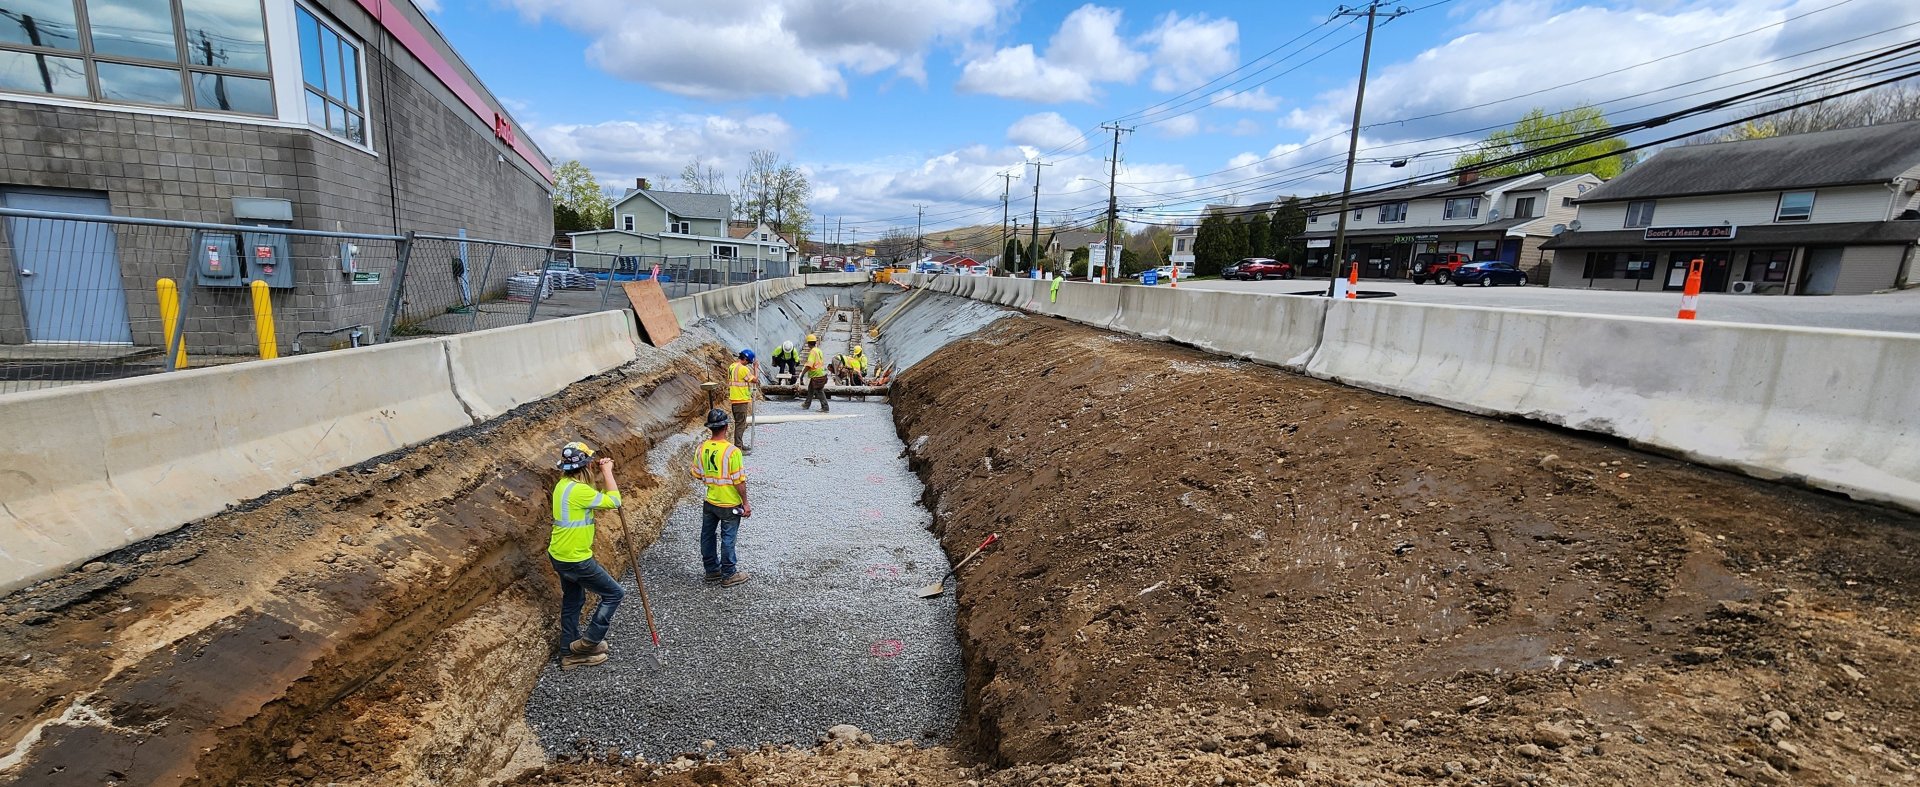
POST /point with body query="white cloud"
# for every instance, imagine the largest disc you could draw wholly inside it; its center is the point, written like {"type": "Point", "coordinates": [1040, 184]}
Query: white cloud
{"type": "Point", "coordinates": [1188, 51]}
{"type": "Point", "coordinates": [427, 6]}
{"type": "Point", "coordinates": [1255, 100]}
{"type": "Point", "coordinates": [1017, 72]}
{"type": "Point", "coordinates": [743, 48]}
{"type": "Point", "coordinates": [1087, 49]}
{"type": "Point", "coordinates": [1043, 131]}
{"type": "Point", "coordinates": [618, 151]}
{"type": "Point", "coordinates": [1180, 126]}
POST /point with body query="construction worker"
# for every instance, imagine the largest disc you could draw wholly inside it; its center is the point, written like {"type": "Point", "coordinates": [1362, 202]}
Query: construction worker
{"type": "Point", "coordinates": [855, 364]}
{"type": "Point", "coordinates": [786, 361]}
{"type": "Point", "coordinates": [815, 371]}
{"type": "Point", "coordinates": [575, 497]}
{"type": "Point", "coordinates": [741, 377]}
{"type": "Point", "coordinates": [719, 465]}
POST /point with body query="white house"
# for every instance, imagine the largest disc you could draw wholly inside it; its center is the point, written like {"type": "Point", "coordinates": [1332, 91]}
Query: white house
{"type": "Point", "coordinates": [1496, 219]}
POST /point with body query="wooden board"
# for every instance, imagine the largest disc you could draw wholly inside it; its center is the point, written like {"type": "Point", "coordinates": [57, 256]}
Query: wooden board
{"type": "Point", "coordinates": [658, 326]}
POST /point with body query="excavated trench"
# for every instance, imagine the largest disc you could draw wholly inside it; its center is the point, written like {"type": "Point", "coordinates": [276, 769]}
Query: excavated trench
{"type": "Point", "coordinates": [1211, 573]}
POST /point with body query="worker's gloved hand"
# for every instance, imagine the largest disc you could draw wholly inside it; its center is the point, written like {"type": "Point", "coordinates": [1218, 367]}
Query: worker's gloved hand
{"type": "Point", "coordinates": [746, 511]}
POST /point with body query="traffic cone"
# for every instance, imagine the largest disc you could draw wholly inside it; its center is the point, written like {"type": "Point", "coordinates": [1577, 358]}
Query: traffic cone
{"type": "Point", "coordinates": [1690, 297]}
{"type": "Point", "coordinates": [1353, 282]}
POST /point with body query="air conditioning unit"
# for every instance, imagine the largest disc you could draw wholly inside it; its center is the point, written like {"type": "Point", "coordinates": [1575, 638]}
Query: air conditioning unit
{"type": "Point", "coordinates": [1743, 288]}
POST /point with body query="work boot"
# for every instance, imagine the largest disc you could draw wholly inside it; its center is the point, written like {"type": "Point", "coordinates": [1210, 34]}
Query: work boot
{"type": "Point", "coordinates": [737, 578]}
{"type": "Point", "coordinates": [581, 647]}
{"type": "Point", "coordinates": [715, 576]}
{"type": "Point", "coordinates": [569, 662]}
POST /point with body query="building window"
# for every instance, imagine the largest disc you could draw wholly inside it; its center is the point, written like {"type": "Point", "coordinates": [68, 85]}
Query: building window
{"type": "Point", "coordinates": [763, 236]}
{"type": "Point", "coordinates": [1566, 202]}
{"type": "Point", "coordinates": [1640, 213]}
{"type": "Point", "coordinates": [626, 222]}
{"type": "Point", "coordinates": [1180, 244]}
{"type": "Point", "coordinates": [207, 55]}
{"type": "Point", "coordinates": [1313, 219]}
{"type": "Point", "coordinates": [330, 69]}
{"type": "Point", "coordinates": [1619, 265]}
{"type": "Point", "coordinates": [681, 227]}
{"type": "Point", "coordinates": [1463, 208]}
{"type": "Point", "coordinates": [1484, 250]}
{"type": "Point", "coordinates": [729, 252]}
{"type": "Point", "coordinates": [1523, 207]}
{"type": "Point", "coordinates": [1795, 206]}
{"type": "Point", "coordinates": [1392, 213]}
{"type": "Point", "coordinates": [1769, 265]}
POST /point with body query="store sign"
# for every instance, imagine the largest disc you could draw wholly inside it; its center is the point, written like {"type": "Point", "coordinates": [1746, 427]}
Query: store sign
{"type": "Point", "coordinates": [1716, 232]}
{"type": "Point", "coordinates": [1415, 238]}
{"type": "Point", "coordinates": [1320, 243]}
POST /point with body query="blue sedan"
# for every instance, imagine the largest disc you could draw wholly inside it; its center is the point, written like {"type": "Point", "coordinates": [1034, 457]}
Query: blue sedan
{"type": "Point", "coordinates": [1487, 274]}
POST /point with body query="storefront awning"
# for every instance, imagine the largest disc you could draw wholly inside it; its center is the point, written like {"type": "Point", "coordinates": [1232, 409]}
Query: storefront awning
{"type": "Point", "coordinates": [1858, 233]}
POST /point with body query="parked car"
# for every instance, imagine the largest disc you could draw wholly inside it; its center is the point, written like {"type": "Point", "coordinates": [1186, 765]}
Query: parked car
{"type": "Point", "coordinates": [1487, 274]}
{"type": "Point", "coordinates": [1438, 267]}
{"type": "Point", "coordinates": [1257, 269]}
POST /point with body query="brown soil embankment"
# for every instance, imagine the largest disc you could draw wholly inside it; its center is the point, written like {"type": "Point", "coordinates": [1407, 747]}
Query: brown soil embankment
{"type": "Point", "coordinates": [1217, 573]}
{"type": "Point", "coordinates": [378, 625]}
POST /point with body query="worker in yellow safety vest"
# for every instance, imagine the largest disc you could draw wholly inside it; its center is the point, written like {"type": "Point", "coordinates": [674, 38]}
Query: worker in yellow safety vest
{"type": "Point", "coordinates": [856, 365]}
{"type": "Point", "coordinates": [743, 375]}
{"type": "Point", "coordinates": [815, 370]}
{"type": "Point", "coordinates": [719, 465]}
{"type": "Point", "coordinates": [786, 360]}
{"type": "Point", "coordinates": [570, 548]}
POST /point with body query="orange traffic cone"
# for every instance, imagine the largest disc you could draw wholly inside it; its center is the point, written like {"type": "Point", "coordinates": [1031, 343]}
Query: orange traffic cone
{"type": "Point", "coordinates": [1353, 281]}
{"type": "Point", "coordinates": [1690, 297]}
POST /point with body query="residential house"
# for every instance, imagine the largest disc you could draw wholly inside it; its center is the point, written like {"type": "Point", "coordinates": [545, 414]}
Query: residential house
{"type": "Point", "coordinates": [1496, 219]}
{"type": "Point", "coordinates": [648, 222]}
{"type": "Point", "coordinates": [1826, 213]}
{"type": "Point", "coordinates": [1183, 240]}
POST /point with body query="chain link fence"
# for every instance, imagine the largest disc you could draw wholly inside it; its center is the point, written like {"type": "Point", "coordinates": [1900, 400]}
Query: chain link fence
{"type": "Point", "coordinates": [86, 298]}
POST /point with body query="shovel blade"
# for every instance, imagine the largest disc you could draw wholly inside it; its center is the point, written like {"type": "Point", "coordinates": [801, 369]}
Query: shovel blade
{"type": "Point", "coordinates": [934, 589]}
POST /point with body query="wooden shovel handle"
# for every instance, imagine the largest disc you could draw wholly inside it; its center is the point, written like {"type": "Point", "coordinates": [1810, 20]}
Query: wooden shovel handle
{"type": "Point", "coordinates": [976, 552]}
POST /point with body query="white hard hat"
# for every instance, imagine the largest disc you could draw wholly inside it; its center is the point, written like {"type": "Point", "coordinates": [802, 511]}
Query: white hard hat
{"type": "Point", "coordinates": [787, 344]}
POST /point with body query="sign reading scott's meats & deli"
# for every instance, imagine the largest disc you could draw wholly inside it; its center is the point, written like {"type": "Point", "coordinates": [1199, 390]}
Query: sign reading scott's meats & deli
{"type": "Point", "coordinates": [1715, 232]}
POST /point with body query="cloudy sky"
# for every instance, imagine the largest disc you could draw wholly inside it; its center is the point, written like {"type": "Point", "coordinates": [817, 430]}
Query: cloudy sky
{"type": "Point", "coordinates": [893, 103]}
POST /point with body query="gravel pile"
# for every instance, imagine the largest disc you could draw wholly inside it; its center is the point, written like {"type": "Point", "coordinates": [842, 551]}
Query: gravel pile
{"type": "Point", "coordinates": [828, 631]}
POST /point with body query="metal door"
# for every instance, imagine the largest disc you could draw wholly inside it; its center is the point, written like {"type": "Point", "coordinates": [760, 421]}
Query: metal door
{"type": "Point", "coordinates": [69, 272]}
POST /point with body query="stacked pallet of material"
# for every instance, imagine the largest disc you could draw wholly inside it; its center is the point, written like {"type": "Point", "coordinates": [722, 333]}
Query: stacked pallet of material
{"type": "Point", "coordinates": [524, 285]}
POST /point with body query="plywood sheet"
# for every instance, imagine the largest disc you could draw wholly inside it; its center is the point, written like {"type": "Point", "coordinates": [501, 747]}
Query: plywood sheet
{"type": "Point", "coordinates": [658, 326]}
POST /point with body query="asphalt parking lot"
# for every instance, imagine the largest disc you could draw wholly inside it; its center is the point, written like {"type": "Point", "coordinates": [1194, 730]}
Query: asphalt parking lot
{"type": "Point", "coordinates": [1894, 311]}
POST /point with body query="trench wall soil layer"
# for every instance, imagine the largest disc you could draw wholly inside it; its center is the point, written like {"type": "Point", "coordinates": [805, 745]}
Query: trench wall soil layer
{"type": "Point", "coordinates": [1833, 409]}
{"type": "Point", "coordinates": [88, 469]}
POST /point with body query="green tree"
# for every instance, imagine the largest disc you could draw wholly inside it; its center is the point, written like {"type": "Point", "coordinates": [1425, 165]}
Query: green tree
{"type": "Point", "coordinates": [1259, 242]}
{"type": "Point", "coordinates": [1289, 223]}
{"type": "Point", "coordinates": [1528, 139]}
{"type": "Point", "coordinates": [1209, 248]}
{"type": "Point", "coordinates": [574, 187]}
{"type": "Point", "coordinates": [1236, 240]}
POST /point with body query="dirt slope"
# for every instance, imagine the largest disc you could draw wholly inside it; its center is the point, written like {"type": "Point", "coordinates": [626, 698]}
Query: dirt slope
{"type": "Point", "coordinates": [379, 625]}
{"type": "Point", "coordinates": [1216, 573]}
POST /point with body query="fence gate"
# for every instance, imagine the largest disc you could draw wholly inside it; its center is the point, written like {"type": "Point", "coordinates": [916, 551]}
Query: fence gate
{"type": "Point", "coordinates": [68, 271]}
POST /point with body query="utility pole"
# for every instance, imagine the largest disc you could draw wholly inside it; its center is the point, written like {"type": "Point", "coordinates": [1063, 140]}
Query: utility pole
{"type": "Point", "coordinates": [1113, 203]}
{"type": "Point", "coordinates": [1006, 183]}
{"type": "Point", "coordinates": [1034, 246]}
{"type": "Point", "coordinates": [1372, 12]}
{"type": "Point", "coordinates": [919, 240]}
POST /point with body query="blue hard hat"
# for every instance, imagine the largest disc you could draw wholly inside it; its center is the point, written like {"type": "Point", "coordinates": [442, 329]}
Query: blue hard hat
{"type": "Point", "coordinates": [718, 418]}
{"type": "Point", "coordinates": [746, 355]}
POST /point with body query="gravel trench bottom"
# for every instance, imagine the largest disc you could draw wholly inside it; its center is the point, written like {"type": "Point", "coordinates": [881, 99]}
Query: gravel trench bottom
{"type": "Point", "coordinates": [828, 631]}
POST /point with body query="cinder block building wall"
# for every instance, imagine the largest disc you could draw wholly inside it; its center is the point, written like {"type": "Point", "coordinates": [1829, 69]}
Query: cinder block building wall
{"type": "Point", "coordinates": [325, 106]}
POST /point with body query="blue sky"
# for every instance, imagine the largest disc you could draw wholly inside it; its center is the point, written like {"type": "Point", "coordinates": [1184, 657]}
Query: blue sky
{"type": "Point", "coordinates": [889, 103]}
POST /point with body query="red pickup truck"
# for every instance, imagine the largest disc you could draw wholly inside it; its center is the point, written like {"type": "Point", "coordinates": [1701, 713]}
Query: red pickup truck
{"type": "Point", "coordinates": [1438, 267]}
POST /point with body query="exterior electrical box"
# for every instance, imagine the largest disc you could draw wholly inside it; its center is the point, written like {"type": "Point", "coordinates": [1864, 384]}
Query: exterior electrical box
{"type": "Point", "coordinates": [268, 258]}
{"type": "Point", "coordinates": [215, 261]}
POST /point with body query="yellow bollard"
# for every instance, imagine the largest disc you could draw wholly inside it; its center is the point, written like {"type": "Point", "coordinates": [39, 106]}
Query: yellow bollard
{"type": "Point", "coordinates": [263, 321]}
{"type": "Point", "coordinates": [169, 316]}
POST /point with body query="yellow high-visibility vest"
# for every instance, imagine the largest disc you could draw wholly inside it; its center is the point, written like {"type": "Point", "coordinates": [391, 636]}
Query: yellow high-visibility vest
{"type": "Point", "coordinates": [816, 363]}
{"type": "Point", "coordinates": [740, 383]}
{"type": "Point", "coordinates": [720, 467]}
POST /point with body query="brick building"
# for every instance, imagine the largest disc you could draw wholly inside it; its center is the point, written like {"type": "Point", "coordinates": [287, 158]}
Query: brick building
{"type": "Point", "coordinates": [332, 115]}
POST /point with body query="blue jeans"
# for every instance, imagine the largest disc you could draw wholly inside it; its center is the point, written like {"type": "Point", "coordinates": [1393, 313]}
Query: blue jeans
{"type": "Point", "coordinates": [575, 580]}
{"type": "Point", "coordinates": [724, 523]}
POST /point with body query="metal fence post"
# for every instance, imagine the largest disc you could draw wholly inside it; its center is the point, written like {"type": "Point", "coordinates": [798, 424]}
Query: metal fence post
{"type": "Point", "coordinates": [539, 288]}
{"type": "Point", "coordinates": [396, 295]}
{"type": "Point", "coordinates": [486, 275]}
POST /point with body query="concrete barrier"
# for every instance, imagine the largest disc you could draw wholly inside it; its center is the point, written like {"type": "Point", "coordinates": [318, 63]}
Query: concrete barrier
{"type": "Point", "coordinates": [1833, 409]}
{"type": "Point", "coordinates": [497, 370]}
{"type": "Point", "coordinates": [87, 469]}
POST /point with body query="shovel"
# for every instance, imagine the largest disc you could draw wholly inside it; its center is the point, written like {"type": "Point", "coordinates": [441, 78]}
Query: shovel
{"type": "Point", "coordinates": [934, 590]}
{"type": "Point", "coordinates": [640, 583]}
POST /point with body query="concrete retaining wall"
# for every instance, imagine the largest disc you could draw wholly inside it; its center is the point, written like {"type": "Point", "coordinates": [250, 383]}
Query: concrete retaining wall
{"type": "Point", "coordinates": [742, 297]}
{"type": "Point", "coordinates": [88, 469]}
{"type": "Point", "coordinates": [1832, 409]}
